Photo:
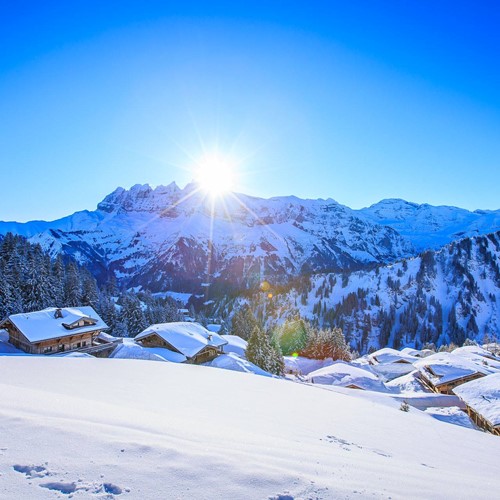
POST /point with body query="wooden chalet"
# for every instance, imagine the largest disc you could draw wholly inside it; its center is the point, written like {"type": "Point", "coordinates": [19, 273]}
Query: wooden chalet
{"type": "Point", "coordinates": [342, 374]}
{"type": "Point", "coordinates": [54, 330]}
{"type": "Point", "coordinates": [191, 340]}
{"type": "Point", "coordinates": [442, 372]}
{"type": "Point", "coordinates": [482, 399]}
{"type": "Point", "coordinates": [387, 355]}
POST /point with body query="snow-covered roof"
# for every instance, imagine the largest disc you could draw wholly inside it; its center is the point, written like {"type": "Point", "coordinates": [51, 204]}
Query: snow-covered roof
{"type": "Point", "coordinates": [188, 338]}
{"type": "Point", "coordinates": [304, 366]}
{"type": "Point", "coordinates": [483, 396]}
{"type": "Point", "coordinates": [390, 371]}
{"type": "Point", "coordinates": [234, 362]}
{"type": "Point", "coordinates": [214, 328]}
{"type": "Point", "coordinates": [389, 355]}
{"type": "Point", "coordinates": [408, 351]}
{"type": "Point", "coordinates": [444, 367]}
{"type": "Point", "coordinates": [235, 344]}
{"type": "Point", "coordinates": [408, 383]}
{"type": "Point", "coordinates": [426, 352]}
{"type": "Point", "coordinates": [345, 374]}
{"type": "Point", "coordinates": [44, 325]}
{"type": "Point", "coordinates": [106, 337]}
{"type": "Point", "coordinates": [130, 350]}
{"type": "Point", "coordinates": [478, 355]}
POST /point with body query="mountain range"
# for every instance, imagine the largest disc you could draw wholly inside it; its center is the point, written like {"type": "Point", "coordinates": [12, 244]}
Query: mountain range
{"type": "Point", "coordinates": [181, 239]}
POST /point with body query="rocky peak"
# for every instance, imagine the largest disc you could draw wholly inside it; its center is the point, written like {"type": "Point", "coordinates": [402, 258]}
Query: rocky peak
{"type": "Point", "coordinates": [140, 198]}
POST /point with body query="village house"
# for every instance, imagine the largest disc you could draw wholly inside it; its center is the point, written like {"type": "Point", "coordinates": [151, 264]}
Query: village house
{"type": "Point", "coordinates": [482, 399]}
{"type": "Point", "coordinates": [387, 355]}
{"type": "Point", "coordinates": [442, 372]}
{"type": "Point", "coordinates": [191, 340]}
{"type": "Point", "coordinates": [389, 363]}
{"type": "Point", "coordinates": [53, 330]}
{"type": "Point", "coordinates": [342, 374]}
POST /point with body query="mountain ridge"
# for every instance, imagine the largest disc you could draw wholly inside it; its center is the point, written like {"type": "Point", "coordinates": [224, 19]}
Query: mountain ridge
{"type": "Point", "coordinates": [167, 237]}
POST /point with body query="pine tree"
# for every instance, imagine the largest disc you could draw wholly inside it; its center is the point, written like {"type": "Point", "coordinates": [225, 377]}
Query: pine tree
{"type": "Point", "coordinates": [72, 286]}
{"type": "Point", "coordinates": [323, 344]}
{"type": "Point", "coordinates": [260, 352]}
{"type": "Point", "coordinates": [89, 291]}
{"type": "Point", "coordinates": [132, 315]}
{"type": "Point", "coordinates": [243, 322]}
{"type": "Point", "coordinates": [292, 336]}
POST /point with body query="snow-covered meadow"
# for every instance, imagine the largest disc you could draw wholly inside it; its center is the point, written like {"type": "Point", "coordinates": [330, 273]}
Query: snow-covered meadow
{"type": "Point", "coordinates": [106, 428]}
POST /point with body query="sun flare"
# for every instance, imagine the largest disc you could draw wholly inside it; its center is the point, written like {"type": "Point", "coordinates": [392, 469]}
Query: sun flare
{"type": "Point", "coordinates": [215, 173]}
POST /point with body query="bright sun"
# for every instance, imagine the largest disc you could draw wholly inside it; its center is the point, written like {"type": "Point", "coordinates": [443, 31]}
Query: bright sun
{"type": "Point", "coordinates": [215, 173]}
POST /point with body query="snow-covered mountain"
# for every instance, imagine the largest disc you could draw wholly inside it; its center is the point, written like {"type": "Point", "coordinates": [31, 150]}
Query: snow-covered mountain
{"type": "Point", "coordinates": [427, 226]}
{"type": "Point", "coordinates": [169, 237]}
{"type": "Point", "coordinates": [172, 237]}
{"type": "Point", "coordinates": [440, 296]}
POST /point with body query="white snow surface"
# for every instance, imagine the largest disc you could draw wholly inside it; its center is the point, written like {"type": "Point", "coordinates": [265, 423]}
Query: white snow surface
{"type": "Point", "coordinates": [97, 428]}
{"type": "Point", "coordinates": [388, 355]}
{"type": "Point", "coordinates": [235, 344]}
{"type": "Point", "coordinates": [304, 366]}
{"type": "Point", "coordinates": [483, 395]}
{"type": "Point", "coordinates": [232, 361]}
{"type": "Point", "coordinates": [212, 327]}
{"type": "Point", "coordinates": [130, 350]}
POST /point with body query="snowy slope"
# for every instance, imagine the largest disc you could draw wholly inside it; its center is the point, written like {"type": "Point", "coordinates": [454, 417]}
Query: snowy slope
{"type": "Point", "coordinates": [440, 297]}
{"type": "Point", "coordinates": [162, 430]}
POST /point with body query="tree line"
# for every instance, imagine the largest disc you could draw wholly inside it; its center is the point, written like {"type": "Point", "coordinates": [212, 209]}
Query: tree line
{"type": "Point", "coordinates": [31, 281]}
{"type": "Point", "coordinates": [294, 337]}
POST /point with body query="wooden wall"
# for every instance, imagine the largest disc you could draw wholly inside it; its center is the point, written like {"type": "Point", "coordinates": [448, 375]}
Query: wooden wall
{"type": "Point", "coordinates": [51, 346]}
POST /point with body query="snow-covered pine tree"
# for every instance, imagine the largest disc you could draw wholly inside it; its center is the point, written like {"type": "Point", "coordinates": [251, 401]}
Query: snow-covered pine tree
{"type": "Point", "coordinates": [133, 315]}
{"type": "Point", "coordinates": [243, 322]}
{"type": "Point", "coordinates": [260, 352]}
{"type": "Point", "coordinates": [72, 286]}
{"type": "Point", "coordinates": [90, 292]}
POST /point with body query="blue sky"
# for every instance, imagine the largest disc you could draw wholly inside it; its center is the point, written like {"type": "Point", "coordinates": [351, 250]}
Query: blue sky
{"type": "Point", "coordinates": [357, 101]}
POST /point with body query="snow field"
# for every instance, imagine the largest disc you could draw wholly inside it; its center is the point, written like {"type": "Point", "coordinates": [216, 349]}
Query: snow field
{"type": "Point", "coordinates": [137, 430]}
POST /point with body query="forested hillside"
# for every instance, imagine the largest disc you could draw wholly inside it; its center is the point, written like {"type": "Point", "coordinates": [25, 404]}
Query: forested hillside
{"type": "Point", "coordinates": [30, 280]}
{"type": "Point", "coordinates": [438, 297]}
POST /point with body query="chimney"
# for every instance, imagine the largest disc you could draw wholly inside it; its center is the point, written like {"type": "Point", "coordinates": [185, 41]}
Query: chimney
{"type": "Point", "coordinates": [58, 313]}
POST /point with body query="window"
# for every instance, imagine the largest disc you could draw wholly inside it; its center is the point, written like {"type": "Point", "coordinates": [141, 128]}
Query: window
{"type": "Point", "coordinates": [78, 345]}
{"type": "Point", "coordinates": [84, 343]}
{"type": "Point", "coordinates": [61, 347]}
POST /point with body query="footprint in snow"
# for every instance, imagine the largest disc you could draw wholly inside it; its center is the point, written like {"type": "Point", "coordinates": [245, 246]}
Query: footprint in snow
{"type": "Point", "coordinates": [94, 489]}
{"type": "Point", "coordinates": [32, 471]}
{"type": "Point", "coordinates": [345, 445]}
{"type": "Point", "coordinates": [382, 453]}
{"type": "Point", "coordinates": [67, 488]}
{"type": "Point", "coordinates": [64, 488]}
